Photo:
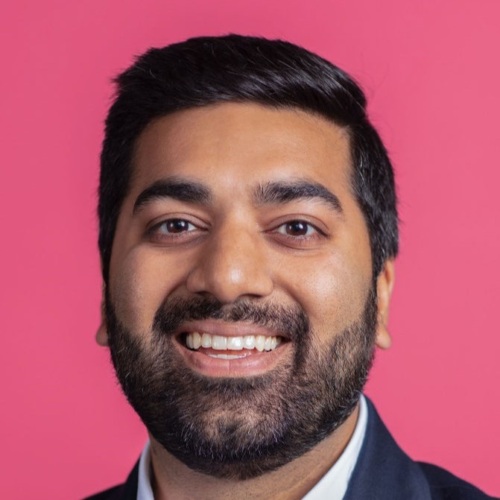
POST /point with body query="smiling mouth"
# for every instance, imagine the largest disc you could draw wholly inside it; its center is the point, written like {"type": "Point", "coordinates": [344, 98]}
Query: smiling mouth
{"type": "Point", "coordinates": [219, 345]}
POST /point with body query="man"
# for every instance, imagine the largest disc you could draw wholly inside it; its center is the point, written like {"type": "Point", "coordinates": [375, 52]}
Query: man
{"type": "Point", "coordinates": [248, 228]}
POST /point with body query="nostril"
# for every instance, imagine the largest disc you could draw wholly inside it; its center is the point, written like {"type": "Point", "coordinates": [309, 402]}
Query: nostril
{"type": "Point", "coordinates": [228, 271]}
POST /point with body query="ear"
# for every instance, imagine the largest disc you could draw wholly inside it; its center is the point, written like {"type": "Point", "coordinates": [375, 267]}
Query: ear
{"type": "Point", "coordinates": [385, 284]}
{"type": "Point", "coordinates": [102, 331]}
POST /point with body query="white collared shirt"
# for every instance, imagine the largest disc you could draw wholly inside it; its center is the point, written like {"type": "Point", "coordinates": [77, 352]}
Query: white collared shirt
{"type": "Point", "coordinates": [332, 485]}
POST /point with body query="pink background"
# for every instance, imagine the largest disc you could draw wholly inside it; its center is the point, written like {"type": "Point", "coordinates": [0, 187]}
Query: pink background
{"type": "Point", "coordinates": [431, 71]}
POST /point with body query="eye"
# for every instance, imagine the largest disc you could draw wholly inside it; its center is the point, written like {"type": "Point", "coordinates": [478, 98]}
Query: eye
{"type": "Point", "coordinates": [297, 228]}
{"type": "Point", "coordinates": [170, 231]}
{"type": "Point", "coordinates": [174, 226]}
{"type": "Point", "coordinates": [299, 234]}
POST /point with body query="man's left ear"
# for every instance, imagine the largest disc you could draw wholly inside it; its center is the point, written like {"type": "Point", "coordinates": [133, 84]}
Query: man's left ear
{"type": "Point", "coordinates": [101, 335]}
{"type": "Point", "coordinates": [385, 284]}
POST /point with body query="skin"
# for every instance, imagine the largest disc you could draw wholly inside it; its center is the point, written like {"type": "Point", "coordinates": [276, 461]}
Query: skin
{"type": "Point", "coordinates": [236, 247]}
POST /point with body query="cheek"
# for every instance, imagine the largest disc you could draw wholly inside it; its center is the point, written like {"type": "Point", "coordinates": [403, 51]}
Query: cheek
{"type": "Point", "coordinates": [333, 294]}
{"type": "Point", "coordinates": [140, 284]}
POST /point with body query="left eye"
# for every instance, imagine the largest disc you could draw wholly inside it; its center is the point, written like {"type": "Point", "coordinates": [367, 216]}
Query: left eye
{"type": "Point", "coordinates": [297, 228]}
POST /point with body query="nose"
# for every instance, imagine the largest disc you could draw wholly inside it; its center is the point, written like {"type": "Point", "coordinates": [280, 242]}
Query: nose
{"type": "Point", "coordinates": [231, 265]}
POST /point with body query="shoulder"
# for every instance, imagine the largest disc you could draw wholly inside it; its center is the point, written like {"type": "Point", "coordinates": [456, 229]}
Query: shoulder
{"type": "Point", "coordinates": [109, 494]}
{"type": "Point", "coordinates": [384, 470]}
{"type": "Point", "coordinates": [114, 493]}
{"type": "Point", "coordinates": [125, 491]}
{"type": "Point", "coordinates": [446, 486]}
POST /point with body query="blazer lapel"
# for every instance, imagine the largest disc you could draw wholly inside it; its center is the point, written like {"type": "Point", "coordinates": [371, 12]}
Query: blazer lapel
{"type": "Point", "coordinates": [128, 490]}
{"type": "Point", "coordinates": [383, 470]}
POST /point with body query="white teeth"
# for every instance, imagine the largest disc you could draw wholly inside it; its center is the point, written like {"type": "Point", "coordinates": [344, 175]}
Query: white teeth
{"type": "Point", "coordinates": [206, 340]}
{"type": "Point", "coordinates": [219, 343]}
{"type": "Point", "coordinates": [249, 342]}
{"type": "Point", "coordinates": [235, 343]}
{"type": "Point", "coordinates": [260, 342]}
{"type": "Point", "coordinates": [195, 340]}
{"type": "Point", "coordinates": [226, 356]}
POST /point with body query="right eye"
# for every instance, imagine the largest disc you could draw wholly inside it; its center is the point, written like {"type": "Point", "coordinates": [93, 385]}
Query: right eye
{"type": "Point", "coordinates": [174, 226]}
{"type": "Point", "coordinates": [172, 230]}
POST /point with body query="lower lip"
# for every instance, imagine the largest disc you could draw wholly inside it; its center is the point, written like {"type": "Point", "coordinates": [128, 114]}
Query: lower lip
{"type": "Point", "coordinates": [251, 364]}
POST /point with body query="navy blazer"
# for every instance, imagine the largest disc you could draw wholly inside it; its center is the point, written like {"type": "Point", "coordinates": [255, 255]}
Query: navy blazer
{"type": "Point", "coordinates": [383, 472]}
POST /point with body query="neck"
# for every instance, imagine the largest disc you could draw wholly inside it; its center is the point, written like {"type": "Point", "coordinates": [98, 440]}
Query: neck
{"type": "Point", "coordinates": [172, 479]}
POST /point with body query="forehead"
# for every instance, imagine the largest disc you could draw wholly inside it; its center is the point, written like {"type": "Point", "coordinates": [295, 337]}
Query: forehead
{"type": "Point", "coordinates": [239, 145]}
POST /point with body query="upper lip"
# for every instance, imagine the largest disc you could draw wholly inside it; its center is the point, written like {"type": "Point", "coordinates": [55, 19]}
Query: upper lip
{"type": "Point", "coordinates": [218, 327]}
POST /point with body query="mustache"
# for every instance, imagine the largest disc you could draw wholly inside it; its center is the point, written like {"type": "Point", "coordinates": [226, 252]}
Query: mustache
{"type": "Point", "coordinates": [290, 322]}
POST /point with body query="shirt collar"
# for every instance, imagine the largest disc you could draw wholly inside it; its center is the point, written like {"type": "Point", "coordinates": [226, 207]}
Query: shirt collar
{"type": "Point", "coordinates": [332, 485]}
{"type": "Point", "coordinates": [144, 489]}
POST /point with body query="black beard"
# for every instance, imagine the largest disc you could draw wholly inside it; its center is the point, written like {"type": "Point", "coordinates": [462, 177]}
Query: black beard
{"type": "Point", "coordinates": [241, 428]}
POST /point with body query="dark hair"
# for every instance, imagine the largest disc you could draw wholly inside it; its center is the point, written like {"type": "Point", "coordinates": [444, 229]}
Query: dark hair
{"type": "Point", "coordinates": [233, 68]}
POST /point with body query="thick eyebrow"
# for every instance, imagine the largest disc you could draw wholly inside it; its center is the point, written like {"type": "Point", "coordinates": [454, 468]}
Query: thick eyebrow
{"type": "Point", "coordinates": [284, 192]}
{"type": "Point", "coordinates": [178, 189]}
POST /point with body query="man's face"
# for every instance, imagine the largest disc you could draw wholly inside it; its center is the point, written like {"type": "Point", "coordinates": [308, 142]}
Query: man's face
{"type": "Point", "coordinates": [241, 310]}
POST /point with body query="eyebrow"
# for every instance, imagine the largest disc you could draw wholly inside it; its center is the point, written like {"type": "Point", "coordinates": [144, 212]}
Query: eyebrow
{"type": "Point", "coordinates": [285, 192]}
{"type": "Point", "coordinates": [178, 189]}
{"type": "Point", "coordinates": [278, 192]}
